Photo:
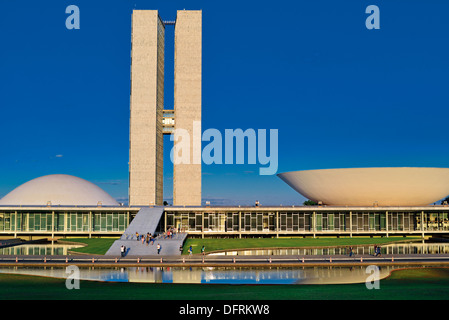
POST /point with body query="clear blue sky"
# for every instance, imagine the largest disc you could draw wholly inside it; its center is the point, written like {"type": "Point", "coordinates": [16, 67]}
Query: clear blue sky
{"type": "Point", "coordinates": [339, 94]}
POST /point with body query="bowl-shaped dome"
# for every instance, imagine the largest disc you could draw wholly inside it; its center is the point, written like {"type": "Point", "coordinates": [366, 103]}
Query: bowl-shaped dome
{"type": "Point", "coordinates": [370, 186]}
{"type": "Point", "coordinates": [58, 189]}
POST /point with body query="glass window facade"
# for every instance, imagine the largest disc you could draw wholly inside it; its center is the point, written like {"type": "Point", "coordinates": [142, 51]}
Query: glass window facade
{"type": "Point", "coordinates": [304, 222]}
{"type": "Point", "coordinates": [66, 222]}
{"type": "Point", "coordinates": [215, 220]}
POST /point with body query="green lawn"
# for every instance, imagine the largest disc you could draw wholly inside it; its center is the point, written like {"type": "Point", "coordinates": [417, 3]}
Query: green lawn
{"type": "Point", "coordinates": [101, 245]}
{"type": "Point", "coordinates": [249, 243]}
{"type": "Point", "coordinates": [94, 245]}
{"type": "Point", "coordinates": [410, 284]}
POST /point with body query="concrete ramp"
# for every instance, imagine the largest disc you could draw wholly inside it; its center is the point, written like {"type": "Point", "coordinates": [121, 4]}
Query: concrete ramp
{"type": "Point", "coordinates": [169, 246]}
{"type": "Point", "coordinates": [146, 221]}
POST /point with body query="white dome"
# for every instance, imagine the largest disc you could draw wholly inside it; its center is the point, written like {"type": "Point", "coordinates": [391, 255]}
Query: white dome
{"type": "Point", "coordinates": [58, 189]}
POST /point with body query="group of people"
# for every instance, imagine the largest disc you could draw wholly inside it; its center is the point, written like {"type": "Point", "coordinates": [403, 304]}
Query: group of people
{"type": "Point", "coordinates": [170, 233]}
{"type": "Point", "coordinates": [145, 238]}
{"type": "Point", "coordinates": [203, 250]}
{"type": "Point", "coordinates": [376, 253]}
{"type": "Point", "coordinates": [150, 238]}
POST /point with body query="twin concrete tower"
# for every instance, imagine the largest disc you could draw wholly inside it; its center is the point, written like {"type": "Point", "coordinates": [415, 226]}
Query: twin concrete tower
{"type": "Point", "coordinates": [149, 121]}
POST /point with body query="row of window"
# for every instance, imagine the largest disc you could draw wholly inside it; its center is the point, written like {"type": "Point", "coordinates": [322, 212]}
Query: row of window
{"type": "Point", "coordinates": [66, 222]}
{"type": "Point", "coordinates": [228, 221]}
{"type": "Point", "coordinates": [305, 221]}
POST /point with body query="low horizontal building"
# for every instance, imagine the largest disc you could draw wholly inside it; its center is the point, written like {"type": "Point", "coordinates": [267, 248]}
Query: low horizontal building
{"type": "Point", "coordinates": [308, 220]}
{"type": "Point", "coordinates": [65, 206]}
{"type": "Point", "coordinates": [60, 221]}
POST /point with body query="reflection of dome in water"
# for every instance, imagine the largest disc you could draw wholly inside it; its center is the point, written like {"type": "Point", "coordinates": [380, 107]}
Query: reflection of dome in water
{"type": "Point", "coordinates": [402, 186]}
{"type": "Point", "coordinates": [58, 189]}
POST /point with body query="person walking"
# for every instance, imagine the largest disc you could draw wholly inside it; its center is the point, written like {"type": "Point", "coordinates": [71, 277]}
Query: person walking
{"type": "Point", "coordinates": [351, 253]}
{"type": "Point", "coordinates": [378, 253]}
{"type": "Point", "coordinates": [203, 250]}
{"type": "Point", "coordinates": [158, 248]}
{"type": "Point", "coordinates": [122, 250]}
{"type": "Point", "coordinates": [190, 250]}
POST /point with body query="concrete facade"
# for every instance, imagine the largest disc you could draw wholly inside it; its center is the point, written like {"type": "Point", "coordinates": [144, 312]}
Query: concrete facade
{"type": "Point", "coordinates": [147, 121]}
{"type": "Point", "coordinates": [147, 104]}
{"type": "Point", "coordinates": [188, 55]}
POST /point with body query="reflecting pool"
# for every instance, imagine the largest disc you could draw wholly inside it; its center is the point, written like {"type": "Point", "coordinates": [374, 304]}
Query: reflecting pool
{"type": "Point", "coordinates": [216, 275]}
{"type": "Point", "coordinates": [41, 249]}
